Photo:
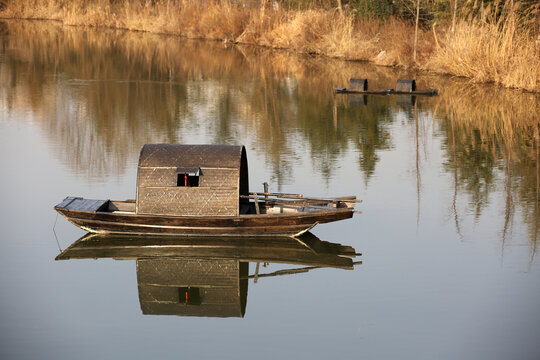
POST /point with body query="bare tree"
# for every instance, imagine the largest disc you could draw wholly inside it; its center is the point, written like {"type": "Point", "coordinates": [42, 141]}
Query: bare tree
{"type": "Point", "coordinates": [416, 29]}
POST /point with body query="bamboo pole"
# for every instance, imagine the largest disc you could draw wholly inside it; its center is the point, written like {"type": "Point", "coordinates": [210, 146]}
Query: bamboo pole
{"type": "Point", "coordinates": [301, 197]}
{"type": "Point", "coordinates": [280, 195]}
{"type": "Point", "coordinates": [257, 210]}
{"type": "Point", "coordinates": [265, 185]}
{"type": "Point", "coordinates": [290, 203]}
{"type": "Point", "coordinates": [297, 204]}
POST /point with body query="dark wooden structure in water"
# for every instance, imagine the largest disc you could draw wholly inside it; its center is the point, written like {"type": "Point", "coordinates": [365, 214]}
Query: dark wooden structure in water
{"type": "Point", "coordinates": [202, 190]}
{"type": "Point", "coordinates": [403, 87]}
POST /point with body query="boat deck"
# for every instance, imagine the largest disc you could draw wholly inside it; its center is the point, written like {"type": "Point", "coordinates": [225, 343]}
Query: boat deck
{"type": "Point", "coordinates": [80, 204]}
{"type": "Point", "coordinates": [128, 207]}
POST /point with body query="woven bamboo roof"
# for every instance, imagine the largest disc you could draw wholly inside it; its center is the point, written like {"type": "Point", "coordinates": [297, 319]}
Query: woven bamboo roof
{"type": "Point", "coordinates": [191, 156]}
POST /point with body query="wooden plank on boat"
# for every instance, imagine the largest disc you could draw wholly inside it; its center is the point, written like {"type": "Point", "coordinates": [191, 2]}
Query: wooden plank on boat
{"type": "Point", "coordinates": [307, 203]}
{"type": "Point", "coordinates": [283, 195]}
{"type": "Point", "coordinates": [66, 202]}
{"type": "Point", "coordinates": [301, 197]}
{"type": "Point", "coordinates": [257, 205]}
{"type": "Point", "coordinates": [86, 204]}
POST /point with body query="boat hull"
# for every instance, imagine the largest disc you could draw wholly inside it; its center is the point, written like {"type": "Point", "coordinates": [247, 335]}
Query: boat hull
{"type": "Point", "coordinates": [287, 224]}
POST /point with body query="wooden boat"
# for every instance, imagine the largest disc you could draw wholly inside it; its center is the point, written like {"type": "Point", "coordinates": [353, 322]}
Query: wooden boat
{"type": "Point", "coordinates": [202, 190]}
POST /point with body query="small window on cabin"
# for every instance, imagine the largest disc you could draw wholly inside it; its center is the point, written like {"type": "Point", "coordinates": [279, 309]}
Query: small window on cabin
{"type": "Point", "coordinates": [187, 180]}
{"type": "Point", "coordinates": [189, 295]}
{"type": "Point", "coordinates": [188, 177]}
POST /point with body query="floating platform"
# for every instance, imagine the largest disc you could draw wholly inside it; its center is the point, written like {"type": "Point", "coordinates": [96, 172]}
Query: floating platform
{"type": "Point", "coordinates": [403, 87]}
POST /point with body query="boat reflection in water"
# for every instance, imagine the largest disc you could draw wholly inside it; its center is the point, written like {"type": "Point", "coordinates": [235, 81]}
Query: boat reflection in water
{"type": "Point", "coordinates": [207, 276]}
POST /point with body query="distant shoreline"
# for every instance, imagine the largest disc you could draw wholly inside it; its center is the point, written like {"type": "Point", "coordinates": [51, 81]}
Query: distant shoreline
{"type": "Point", "coordinates": [480, 51]}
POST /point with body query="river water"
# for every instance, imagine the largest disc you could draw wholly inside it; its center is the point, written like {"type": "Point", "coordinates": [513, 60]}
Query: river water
{"type": "Point", "coordinates": [450, 190]}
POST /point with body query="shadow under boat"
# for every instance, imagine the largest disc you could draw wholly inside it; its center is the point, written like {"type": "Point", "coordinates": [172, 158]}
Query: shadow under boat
{"type": "Point", "coordinates": [207, 276]}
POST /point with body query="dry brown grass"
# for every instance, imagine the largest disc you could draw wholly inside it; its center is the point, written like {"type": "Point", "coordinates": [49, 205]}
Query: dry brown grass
{"type": "Point", "coordinates": [483, 51]}
{"type": "Point", "coordinates": [312, 31]}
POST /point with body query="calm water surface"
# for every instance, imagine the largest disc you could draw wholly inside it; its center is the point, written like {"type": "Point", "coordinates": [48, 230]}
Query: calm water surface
{"type": "Point", "coordinates": [451, 212]}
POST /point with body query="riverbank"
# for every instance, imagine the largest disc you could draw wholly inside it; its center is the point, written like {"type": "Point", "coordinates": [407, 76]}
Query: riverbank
{"type": "Point", "coordinates": [483, 51]}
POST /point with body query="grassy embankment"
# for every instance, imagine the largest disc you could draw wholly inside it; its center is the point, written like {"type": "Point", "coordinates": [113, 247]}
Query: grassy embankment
{"type": "Point", "coordinates": [485, 46]}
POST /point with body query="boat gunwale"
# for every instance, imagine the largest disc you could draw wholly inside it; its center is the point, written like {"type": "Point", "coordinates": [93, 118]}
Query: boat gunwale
{"type": "Point", "coordinates": [309, 212]}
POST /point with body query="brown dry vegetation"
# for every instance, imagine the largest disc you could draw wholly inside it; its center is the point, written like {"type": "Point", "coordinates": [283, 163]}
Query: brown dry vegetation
{"type": "Point", "coordinates": [481, 49]}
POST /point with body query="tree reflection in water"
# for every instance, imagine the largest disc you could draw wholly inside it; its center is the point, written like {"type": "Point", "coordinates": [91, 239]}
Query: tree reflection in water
{"type": "Point", "coordinates": [102, 95]}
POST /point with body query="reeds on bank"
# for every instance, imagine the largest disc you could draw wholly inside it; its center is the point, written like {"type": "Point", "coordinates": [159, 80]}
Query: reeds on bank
{"type": "Point", "coordinates": [504, 50]}
{"type": "Point", "coordinates": [485, 50]}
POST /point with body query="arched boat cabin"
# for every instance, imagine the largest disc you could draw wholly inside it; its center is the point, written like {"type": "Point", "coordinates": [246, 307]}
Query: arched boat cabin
{"type": "Point", "coordinates": [192, 180]}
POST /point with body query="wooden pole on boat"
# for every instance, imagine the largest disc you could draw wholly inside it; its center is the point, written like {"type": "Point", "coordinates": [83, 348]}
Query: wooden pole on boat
{"type": "Point", "coordinates": [257, 210]}
{"type": "Point", "coordinates": [304, 205]}
{"type": "Point", "coordinates": [301, 197]}
{"type": "Point", "coordinates": [292, 196]}
{"type": "Point", "coordinates": [265, 185]}
{"type": "Point", "coordinates": [294, 204]}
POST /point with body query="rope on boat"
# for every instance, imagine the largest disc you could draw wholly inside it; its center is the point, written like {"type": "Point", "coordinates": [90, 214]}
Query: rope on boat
{"type": "Point", "coordinates": [54, 232]}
